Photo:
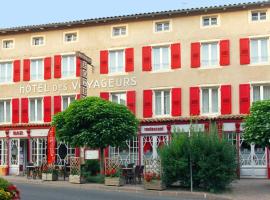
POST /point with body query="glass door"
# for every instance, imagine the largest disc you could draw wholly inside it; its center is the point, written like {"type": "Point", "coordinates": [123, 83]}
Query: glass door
{"type": "Point", "coordinates": [14, 156]}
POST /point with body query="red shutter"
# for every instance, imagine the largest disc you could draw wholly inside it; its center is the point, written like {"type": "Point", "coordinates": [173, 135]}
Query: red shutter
{"type": "Point", "coordinates": [129, 60]}
{"type": "Point", "coordinates": [176, 102]}
{"type": "Point", "coordinates": [57, 66]}
{"type": "Point", "coordinates": [147, 103]}
{"type": "Point", "coordinates": [15, 111]}
{"type": "Point", "coordinates": [194, 101]}
{"type": "Point", "coordinates": [224, 46]}
{"type": "Point", "coordinates": [47, 68]}
{"type": "Point", "coordinates": [16, 70]}
{"type": "Point", "coordinates": [195, 55]}
{"type": "Point", "coordinates": [146, 58]}
{"type": "Point", "coordinates": [26, 70]}
{"type": "Point", "coordinates": [104, 65]}
{"type": "Point", "coordinates": [78, 67]}
{"type": "Point", "coordinates": [24, 107]}
{"type": "Point", "coordinates": [104, 95]}
{"type": "Point", "coordinates": [57, 100]}
{"type": "Point", "coordinates": [244, 98]}
{"type": "Point", "coordinates": [47, 109]}
{"type": "Point", "coordinates": [175, 56]}
{"type": "Point", "coordinates": [78, 96]}
{"type": "Point", "coordinates": [244, 51]}
{"type": "Point", "coordinates": [226, 100]}
{"type": "Point", "coordinates": [131, 101]}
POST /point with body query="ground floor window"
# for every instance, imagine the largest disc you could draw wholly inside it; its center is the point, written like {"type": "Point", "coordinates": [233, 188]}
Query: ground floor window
{"type": "Point", "coordinates": [63, 153]}
{"type": "Point", "coordinates": [39, 150]}
{"type": "Point", "coordinates": [3, 152]}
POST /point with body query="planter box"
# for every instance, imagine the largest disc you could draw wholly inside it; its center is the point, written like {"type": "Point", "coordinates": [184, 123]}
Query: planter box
{"type": "Point", "coordinates": [154, 185]}
{"type": "Point", "coordinates": [115, 181]}
{"type": "Point", "coordinates": [49, 177]}
{"type": "Point", "coordinates": [75, 179]}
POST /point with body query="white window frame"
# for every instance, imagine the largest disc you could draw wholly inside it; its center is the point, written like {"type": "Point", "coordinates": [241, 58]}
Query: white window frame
{"type": "Point", "coordinates": [69, 100]}
{"type": "Point", "coordinates": [7, 40]}
{"type": "Point", "coordinates": [259, 20]}
{"type": "Point", "coordinates": [39, 152]}
{"type": "Point", "coordinates": [162, 21]}
{"type": "Point", "coordinates": [116, 60]}
{"type": "Point", "coordinates": [259, 48]}
{"type": "Point", "coordinates": [161, 57]}
{"type": "Point", "coordinates": [210, 21]}
{"type": "Point", "coordinates": [36, 67]}
{"type": "Point", "coordinates": [162, 102]}
{"type": "Point", "coordinates": [4, 150]}
{"type": "Point", "coordinates": [68, 66]}
{"type": "Point", "coordinates": [118, 93]}
{"type": "Point", "coordinates": [5, 111]}
{"type": "Point", "coordinates": [12, 74]}
{"type": "Point", "coordinates": [42, 110]}
{"type": "Point", "coordinates": [35, 37]}
{"type": "Point", "coordinates": [210, 88]}
{"type": "Point", "coordinates": [70, 32]}
{"type": "Point", "coordinates": [261, 91]}
{"type": "Point", "coordinates": [119, 26]}
{"type": "Point", "coordinates": [209, 55]}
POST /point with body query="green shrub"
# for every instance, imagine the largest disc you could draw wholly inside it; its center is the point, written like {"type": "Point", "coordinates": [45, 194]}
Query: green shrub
{"type": "Point", "coordinates": [4, 184]}
{"type": "Point", "coordinates": [90, 171]}
{"type": "Point", "coordinates": [213, 161]}
{"type": "Point", "coordinates": [95, 179]}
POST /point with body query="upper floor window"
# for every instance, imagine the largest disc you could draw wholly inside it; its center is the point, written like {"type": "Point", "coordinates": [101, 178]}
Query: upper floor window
{"type": "Point", "coordinates": [8, 44]}
{"type": "Point", "coordinates": [209, 21]}
{"type": "Point", "coordinates": [66, 101]}
{"type": "Point", "coordinates": [35, 107]}
{"type": "Point", "coordinates": [69, 66]}
{"type": "Point", "coordinates": [120, 98]}
{"type": "Point", "coordinates": [210, 54]}
{"type": "Point", "coordinates": [162, 26]}
{"type": "Point", "coordinates": [258, 15]}
{"type": "Point", "coordinates": [261, 92]}
{"type": "Point", "coordinates": [259, 50]}
{"type": "Point", "coordinates": [5, 111]}
{"type": "Point", "coordinates": [161, 58]}
{"type": "Point", "coordinates": [162, 102]}
{"type": "Point", "coordinates": [116, 61]}
{"type": "Point", "coordinates": [36, 70]}
{"type": "Point", "coordinates": [71, 37]}
{"type": "Point", "coordinates": [6, 72]}
{"type": "Point", "coordinates": [210, 100]}
{"type": "Point", "coordinates": [119, 31]}
{"type": "Point", "coordinates": [38, 41]}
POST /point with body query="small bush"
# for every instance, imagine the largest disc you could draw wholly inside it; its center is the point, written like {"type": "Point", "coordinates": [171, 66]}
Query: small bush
{"type": "Point", "coordinates": [90, 171]}
{"type": "Point", "coordinates": [213, 161]}
{"type": "Point", "coordinates": [4, 184]}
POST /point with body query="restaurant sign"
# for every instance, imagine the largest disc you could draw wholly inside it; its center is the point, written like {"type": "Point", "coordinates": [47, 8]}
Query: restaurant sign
{"type": "Point", "coordinates": [154, 129]}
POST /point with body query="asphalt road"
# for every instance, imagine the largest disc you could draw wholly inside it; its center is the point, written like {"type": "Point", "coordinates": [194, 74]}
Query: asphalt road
{"type": "Point", "coordinates": [45, 192]}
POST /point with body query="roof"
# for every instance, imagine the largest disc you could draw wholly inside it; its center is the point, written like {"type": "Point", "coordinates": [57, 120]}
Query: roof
{"type": "Point", "coordinates": [134, 17]}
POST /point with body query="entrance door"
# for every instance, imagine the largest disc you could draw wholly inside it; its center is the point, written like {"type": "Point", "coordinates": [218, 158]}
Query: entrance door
{"type": "Point", "coordinates": [253, 160]}
{"type": "Point", "coordinates": [17, 159]}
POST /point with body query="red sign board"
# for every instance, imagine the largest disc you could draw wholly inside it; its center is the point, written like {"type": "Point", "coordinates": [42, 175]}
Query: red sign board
{"type": "Point", "coordinates": [51, 146]}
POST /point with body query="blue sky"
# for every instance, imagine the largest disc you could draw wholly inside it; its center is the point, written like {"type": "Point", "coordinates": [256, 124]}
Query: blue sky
{"type": "Point", "coordinates": [30, 12]}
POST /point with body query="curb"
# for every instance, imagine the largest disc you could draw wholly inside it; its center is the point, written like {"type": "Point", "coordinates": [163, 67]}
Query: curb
{"type": "Point", "coordinates": [135, 190]}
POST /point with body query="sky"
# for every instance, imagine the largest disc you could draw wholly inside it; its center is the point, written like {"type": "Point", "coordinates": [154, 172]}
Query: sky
{"type": "Point", "coordinates": [33, 12]}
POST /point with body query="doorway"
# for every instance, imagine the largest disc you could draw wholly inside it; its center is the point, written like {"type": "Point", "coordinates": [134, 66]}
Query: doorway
{"type": "Point", "coordinates": [18, 156]}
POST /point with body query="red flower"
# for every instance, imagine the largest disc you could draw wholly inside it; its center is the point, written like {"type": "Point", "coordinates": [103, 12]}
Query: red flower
{"type": "Point", "coordinates": [14, 191]}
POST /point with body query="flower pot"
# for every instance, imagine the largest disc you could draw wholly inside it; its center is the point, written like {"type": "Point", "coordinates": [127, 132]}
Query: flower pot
{"type": "Point", "coordinates": [114, 181]}
{"type": "Point", "coordinates": [49, 177]}
{"type": "Point", "coordinates": [154, 185]}
{"type": "Point", "coordinates": [75, 179]}
{"type": "Point", "coordinates": [3, 170]}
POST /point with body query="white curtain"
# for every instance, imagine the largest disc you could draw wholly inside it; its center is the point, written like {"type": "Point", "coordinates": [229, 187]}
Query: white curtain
{"type": "Point", "coordinates": [167, 103]}
{"type": "Point", "coordinates": [205, 100]}
{"type": "Point", "coordinates": [72, 66]}
{"type": "Point", "coordinates": [120, 64]}
{"type": "Point", "coordinates": [214, 54]}
{"type": "Point", "coordinates": [205, 55]}
{"type": "Point", "coordinates": [214, 100]}
{"type": "Point", "coordinates": [156, 59]}
{"type": "Point", "coordinates": [165, 58]}
{"type": "Point", "coordinates": [2, 114]}
{"type": "Point", "coordinates": [64, 67]}
{"type": "Point", "coordinates": [254, 54]}
{"type": "Point", "coordinates": [39, 110]}
{"type": "Point", "coordinates": [256, 93]}
{"type": "Point", "coordinates": [264, 50]}
{"type": "Point", "coordinates": [157, 102]}
{"type": "Point", "coordinates": [32, 110]}
{"type": "Point", "coordinates": [266, 92]}
{"type": "Point", "coordinates": [8, 111]}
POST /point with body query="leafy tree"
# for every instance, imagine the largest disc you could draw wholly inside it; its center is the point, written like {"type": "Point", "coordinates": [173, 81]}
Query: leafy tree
{"type": "Point", "coordinates": [257, 124]}
{"type": "Point", "coordinates": [95, 123]}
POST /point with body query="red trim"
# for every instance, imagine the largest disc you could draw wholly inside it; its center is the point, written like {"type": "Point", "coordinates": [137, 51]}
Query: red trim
{"type": "Point", "coordinates": [176, 102]}
{"type": "Point", "coordinates": [104, 56]}
{"type": "Point", "coordinates": [78, 67]}
{"type": "Point", "coordinates": [26, 70]}
{"type": "Point", "coordinates": [129, 59]}
{"type": "Point", "coordinates": [224, 46]}
{"type": "Point", "coordinates": [47, 68]}
{"type": "Point", "coordinates": [244, 51]}
{"type": "Point", "coordinates": [16, 70]}
{"type": "Point", "coordinates": [147, 103]}
{"type": "Point", "coordinates": [147, 58]}
{"type": "Point", "coordinates": [176, 56]}
{"type": "Point", "coordinates": [105, 95]}
{"type": "Point", "coordinates": [77, 152]}
{"type": "Point", "coordinates": [24, 110]}
{"type": "Point", "coordinates": [195, 55]}
{"type": "Point", "coordinates": [131, 101]}
{"type": "Point", "coordinates": [57, 66]}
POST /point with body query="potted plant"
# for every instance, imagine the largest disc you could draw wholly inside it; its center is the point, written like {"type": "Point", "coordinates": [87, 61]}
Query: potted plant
{"type": "Point", "coordinates": [152, 181]}
{"type": "Point", "coordinates": [113, 177]}
{"type": "Point", "coordinates": [4, 170]}
{"type": "Point", "coordinates": [49, 174]}
{"type": "Point", "coordinates": [75, 176]}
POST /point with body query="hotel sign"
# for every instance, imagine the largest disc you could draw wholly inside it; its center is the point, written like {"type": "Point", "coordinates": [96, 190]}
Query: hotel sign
{"type": "Point", "coordinates": [154, 129]}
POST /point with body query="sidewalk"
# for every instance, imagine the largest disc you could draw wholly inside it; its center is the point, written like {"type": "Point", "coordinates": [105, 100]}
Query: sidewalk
{"type": "Point", "coordinates": [244, 189]}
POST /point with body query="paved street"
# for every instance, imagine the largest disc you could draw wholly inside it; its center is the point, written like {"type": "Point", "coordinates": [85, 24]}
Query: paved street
{"type": "Point", "coordinates": [44, 192]}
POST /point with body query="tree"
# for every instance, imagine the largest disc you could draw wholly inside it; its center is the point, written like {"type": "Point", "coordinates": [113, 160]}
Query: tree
{"type": "Point", "coordinates": [257, 124]}
{"type": "Point", "coordinates": [95, 123]}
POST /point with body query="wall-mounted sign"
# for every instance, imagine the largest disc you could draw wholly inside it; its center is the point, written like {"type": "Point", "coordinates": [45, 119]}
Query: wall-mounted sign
{"type": "Point", "coordinates": [18, 133]}
{"type": "Point", "coordinates": [154, 129]}
{"type": "Point", "coordinates": [91, 155]}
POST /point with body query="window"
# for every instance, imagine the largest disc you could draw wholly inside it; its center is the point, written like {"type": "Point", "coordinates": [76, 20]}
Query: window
{"type": "Point", "coordinates": [66, 101]}
{"type": "Point", "coordinates": [3, 152]}
{"type": "Point", "coordinates": [36, 70]}
{"type": "Point", "coordinates": [5, 111]}
{"type": "Point", "coordinates": [261, 92]}
{"type": "Point", "coordinates": [8, 44]}
{"type": "Point", "coordinates": [258, 15]}
{"type": "Point", "coordinates": [6, 72]}
{"type": "Point", "coordinates": [38, 146]}
{"type": "Point", "coordinates": [116, 61]}
{"type": "Point", "coordinates": [162, 26]}
{"type": "Point", "coordinates": [210, 21]}
{"type": "Point", "coordinates": [36, 110]}
{"type": "Point", "coordinates": [161, 58]}
{"type": "Point", "coordinates": [37, 41]}
{"type": "Point", "coordinates": [120, 98]}
{"type": "Point", "coordinates": [210, 54]}
{"type": "Point", "coordinates": [69, 66]}
{"type": "Point", "coordinates": [210, 101]}
{"type": "Point", "coordinates": [259, 50]}
{"type": "Point", "coordinates": [70, 37]}
{"type": "Point", "coordinates": [119, 31]}
{"type": "Point", "coordinates": [162, 101]}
